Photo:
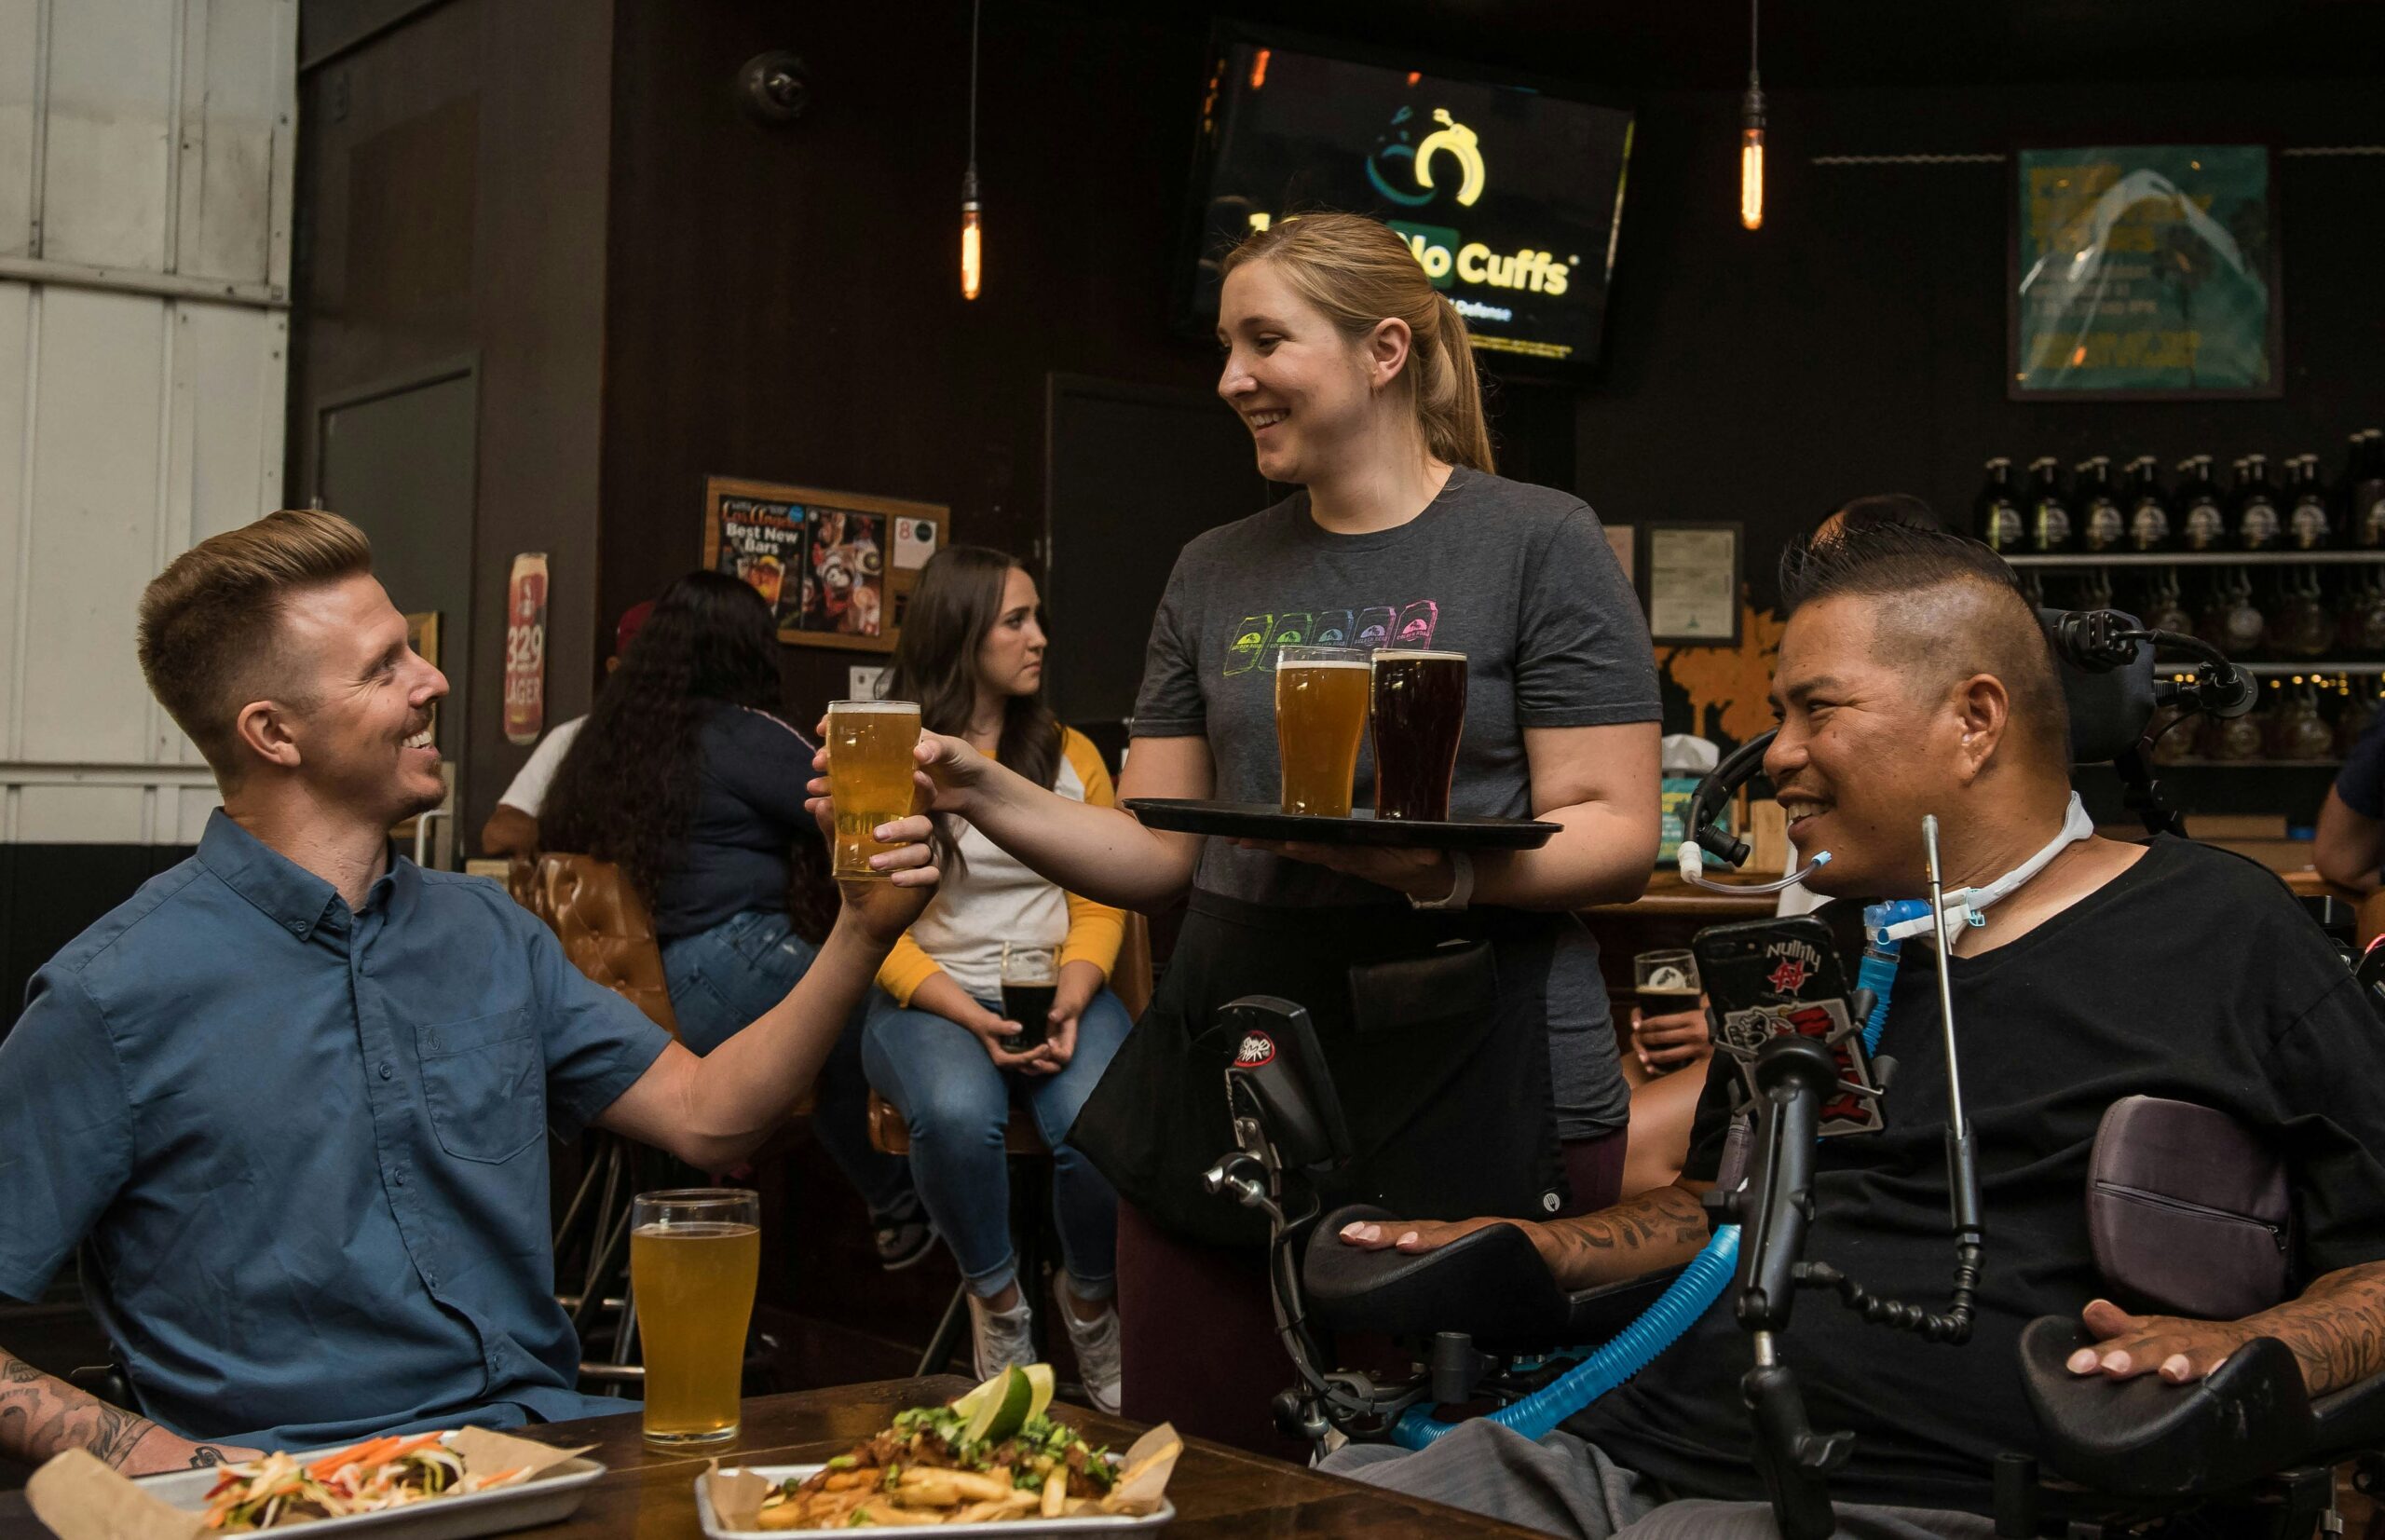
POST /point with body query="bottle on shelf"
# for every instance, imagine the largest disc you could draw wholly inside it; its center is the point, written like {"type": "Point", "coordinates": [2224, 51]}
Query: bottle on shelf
{"type": "Point", "coordinates": [2200, 523]}
{"type": "Point", "coordinates": [2363, 493]}
{"type": "Point", "coordinates": [2310, 522]}
{"type": "Point", "coordinates": [2102, 526]}
{"type": "Point", "coordinates": [1996, 516]}
{"type": "Point", "coordinates": [2051, 531]}
{"type": "Point", "coordinates": [2253, 514]}
{"type": "Point", "coordinates": [2149, 512]}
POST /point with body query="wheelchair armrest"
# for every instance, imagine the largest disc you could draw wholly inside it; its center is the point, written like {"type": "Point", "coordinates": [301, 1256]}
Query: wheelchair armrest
{"type": "Point", "coordinates": [1490, 1285]}
{"type": "Point", "coordinates": [2142, 1438]}
{"type": "Point", "coordinates": [2351, 1421]}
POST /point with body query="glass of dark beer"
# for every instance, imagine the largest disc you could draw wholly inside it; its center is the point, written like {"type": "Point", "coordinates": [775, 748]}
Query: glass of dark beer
{"type": "Point", "coordinates": [1419, 716]}
{"type": "Point", "coordinates": [1031, 978]}
{"type": "Point", "coordinates": [1666, 984]}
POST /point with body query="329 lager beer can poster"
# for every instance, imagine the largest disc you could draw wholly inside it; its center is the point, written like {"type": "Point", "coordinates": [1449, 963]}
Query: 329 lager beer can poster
{"type": "Point", "coordinates": [2146, 270]}
{"type": "Point", "coordinates": [525, 650]}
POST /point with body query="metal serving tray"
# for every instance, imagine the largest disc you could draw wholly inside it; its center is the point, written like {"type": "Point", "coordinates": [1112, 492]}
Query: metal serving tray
{"type": "Point", "coordinates": [551, 1494]}
{"type": "Point", "coordinates": [1013, 1529]}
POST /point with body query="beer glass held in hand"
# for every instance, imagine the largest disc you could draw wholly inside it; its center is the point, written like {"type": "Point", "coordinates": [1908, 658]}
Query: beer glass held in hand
{"type": "Point", "coordinates": [1668, 986]}
{"type": "Point", "coordinates": [1031, 981]}
{"type": "Point", "coordinates": [694, 1253]}
{"type": "Point", "coordinates": [1320, 721]}
{"type": "Point", "coordinates": [1419, 716]}
{"type": "Point", "coordinates": [870, 744]}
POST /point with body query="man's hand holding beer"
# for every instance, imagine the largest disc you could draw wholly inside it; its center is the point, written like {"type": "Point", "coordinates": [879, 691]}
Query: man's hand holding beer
{"type": "Point", "coordinates": [1668, 1041]}
{"type": "Point", "coordinates": [884, 910]}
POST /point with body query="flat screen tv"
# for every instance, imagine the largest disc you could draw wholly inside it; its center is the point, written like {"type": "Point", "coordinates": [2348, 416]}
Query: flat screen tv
{"type": "Point", "coordinates": [1509, 197]}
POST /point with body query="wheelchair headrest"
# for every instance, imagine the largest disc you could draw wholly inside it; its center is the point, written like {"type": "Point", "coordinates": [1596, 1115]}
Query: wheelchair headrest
{"type": "Point", "coordinates": [1280, 1072]}
{"type": "Point", "coordinates": [2108, 711]}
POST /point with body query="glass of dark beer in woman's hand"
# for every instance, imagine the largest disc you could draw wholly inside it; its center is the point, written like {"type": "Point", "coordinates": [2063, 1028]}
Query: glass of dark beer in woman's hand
{"type": "Point", "coordinates": [1031, 981]}
{"type": "Point", "coordinates": [1320, 721]}
{"type": "Point", "coordinates": [1420, 716]}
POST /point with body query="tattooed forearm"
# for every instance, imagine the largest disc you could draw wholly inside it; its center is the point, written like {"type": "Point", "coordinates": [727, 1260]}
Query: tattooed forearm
{"type": "Point", "coordinates": [1657, 1230]}
{"type": "Point", "coordinates": [40, 1415]}
{"type": "Point", "coordinates": [2337, 1328]}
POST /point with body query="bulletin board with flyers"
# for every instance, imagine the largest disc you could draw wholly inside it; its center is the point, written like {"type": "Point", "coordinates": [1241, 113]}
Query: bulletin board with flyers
{"type": "Point", "coordinates": [836, 568]}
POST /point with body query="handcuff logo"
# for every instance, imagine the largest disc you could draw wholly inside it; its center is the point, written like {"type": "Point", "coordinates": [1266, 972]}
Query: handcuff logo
{"type": "Point", "coordinates": [1453, 139]}
{"type": "Point", "coordinates": [1257, 1050]}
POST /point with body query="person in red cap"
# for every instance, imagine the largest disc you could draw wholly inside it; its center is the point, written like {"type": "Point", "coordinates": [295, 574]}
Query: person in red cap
{"type": "Point", "coordinates": [512, 829]}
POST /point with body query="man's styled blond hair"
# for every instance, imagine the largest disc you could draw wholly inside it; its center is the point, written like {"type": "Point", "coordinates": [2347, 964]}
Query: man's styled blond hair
{"type": "Point", "coordinates": [211, 622]}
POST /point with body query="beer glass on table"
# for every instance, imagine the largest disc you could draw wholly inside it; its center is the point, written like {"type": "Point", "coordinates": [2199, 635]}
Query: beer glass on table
{"type": "Point", "coordinates": [1030, 979]}
{"type": "Point", "coordinates": [1320, 721]}
{"type": "Point", "coordinates": [869, 775]}
{"type": "Point", "coordinates": [694, 1253]}
{"type": "Point", "coordinates": [1666, 985]}
{"type": "Point", "coordinates": [1419, 716]}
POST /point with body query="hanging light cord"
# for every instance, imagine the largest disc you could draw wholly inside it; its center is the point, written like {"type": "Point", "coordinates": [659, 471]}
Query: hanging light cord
{"type": "Point", "coordinates": [1755, 79]}
{"type": "Point", "coordinates": [975, 6]}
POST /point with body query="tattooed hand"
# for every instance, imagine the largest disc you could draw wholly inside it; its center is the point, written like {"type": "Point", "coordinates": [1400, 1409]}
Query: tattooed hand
{"type": "Point", "coordinates": [2337, 1331]}
{"type": "Point", "coordinates": [1657, 1230]}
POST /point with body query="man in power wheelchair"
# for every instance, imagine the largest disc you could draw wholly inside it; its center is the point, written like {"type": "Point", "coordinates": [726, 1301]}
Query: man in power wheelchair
{"type": "Point", "coordinates": [2164, 1317]}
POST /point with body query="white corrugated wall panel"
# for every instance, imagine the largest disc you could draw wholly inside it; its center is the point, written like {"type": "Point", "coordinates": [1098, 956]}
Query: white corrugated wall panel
{"type": "Point", "coordinates": [139, 137]}
{"type": "Point", "coordinates": [107, 163]}
{"type": "Point", "coordinates": [98, 434]}
{"type": "Point", "coordinates": [20, 55]}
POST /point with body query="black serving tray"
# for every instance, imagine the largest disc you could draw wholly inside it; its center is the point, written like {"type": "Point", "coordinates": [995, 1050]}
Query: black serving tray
{"type": "Point", "coordinates": [1266, 820]}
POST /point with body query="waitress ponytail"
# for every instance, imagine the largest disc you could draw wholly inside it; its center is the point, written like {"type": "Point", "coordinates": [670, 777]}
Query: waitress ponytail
{"type": "Point", "coordinates": [1360, 274]}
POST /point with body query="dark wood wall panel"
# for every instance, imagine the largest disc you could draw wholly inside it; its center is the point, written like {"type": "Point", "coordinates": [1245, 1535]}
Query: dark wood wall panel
{"type": "Point", "coordinates": [452, 205]}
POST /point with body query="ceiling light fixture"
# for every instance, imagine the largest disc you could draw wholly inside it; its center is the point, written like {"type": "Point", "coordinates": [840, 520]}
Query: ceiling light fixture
{"type": "Point", "coordinates": [972, 236]}
{"type": "Point", "coordinates": [1752, 137]}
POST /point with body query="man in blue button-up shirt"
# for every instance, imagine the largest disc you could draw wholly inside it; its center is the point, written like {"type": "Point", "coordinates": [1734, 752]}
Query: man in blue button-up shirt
{"type": "Point", "coordinates": [295, 1093]}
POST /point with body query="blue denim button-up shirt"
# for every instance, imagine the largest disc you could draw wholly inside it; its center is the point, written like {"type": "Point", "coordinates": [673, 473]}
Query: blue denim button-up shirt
{"type": "Point", "coordinates": [306, 1145]}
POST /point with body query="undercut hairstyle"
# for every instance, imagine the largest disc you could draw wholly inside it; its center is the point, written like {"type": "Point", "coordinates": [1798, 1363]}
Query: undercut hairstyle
{"type": "Point", "coordinates": [211, 623]}
{"type": "Point", "coordinates": [1879, 507]}
{"type": "Point", "coordinates": [1945, 608]}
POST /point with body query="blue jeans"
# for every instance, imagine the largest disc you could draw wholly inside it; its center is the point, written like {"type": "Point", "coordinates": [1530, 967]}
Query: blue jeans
{"type": "Point", "coordinates": [956, 1103]}
{"type": "Point", "coordinates": [721, 979]}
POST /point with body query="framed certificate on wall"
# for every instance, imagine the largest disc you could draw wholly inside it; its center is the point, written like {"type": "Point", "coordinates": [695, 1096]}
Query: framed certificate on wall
{"type": "Point", "coordinates": [1692, 581]}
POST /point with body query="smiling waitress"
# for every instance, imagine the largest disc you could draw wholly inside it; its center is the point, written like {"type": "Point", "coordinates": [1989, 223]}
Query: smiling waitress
{"type": "Point", "coordinates": [1457, 998]}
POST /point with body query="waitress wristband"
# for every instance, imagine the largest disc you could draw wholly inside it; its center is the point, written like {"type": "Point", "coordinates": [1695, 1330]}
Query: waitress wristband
{"type": "Point", "coordinates": [1461, 886]}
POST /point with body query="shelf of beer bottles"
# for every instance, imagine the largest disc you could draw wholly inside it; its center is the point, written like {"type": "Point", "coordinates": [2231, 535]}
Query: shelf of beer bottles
{"type": "Point", "coordinates": [2083, 561]}
{"type": "Point", "coordinates": [2311, 668]}
{"type": "Point", "coordinates": [2247, 764]}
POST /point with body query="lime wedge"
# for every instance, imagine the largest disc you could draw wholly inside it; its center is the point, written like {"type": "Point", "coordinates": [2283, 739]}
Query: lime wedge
{"type": "Point", "coordinates": [1002, 1411]}
{"type": "Point", "coordinates": [968, 1403]}
{"type": "Point", "coordinates": [1039, 1376]}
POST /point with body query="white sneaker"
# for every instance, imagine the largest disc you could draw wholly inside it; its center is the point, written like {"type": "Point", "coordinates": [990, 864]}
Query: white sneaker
{"type": "Point", "coordinates": [1002, 1338]}
{"type": "Point", "coordinates": [1097, 1345]}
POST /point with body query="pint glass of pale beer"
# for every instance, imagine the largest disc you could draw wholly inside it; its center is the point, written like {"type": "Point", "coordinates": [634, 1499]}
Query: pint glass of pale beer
{"type": "Point", "coordinates": [1419, 716]}
{"type": "Point", "coordinates": [693, 1256]}
{"type": "Point", "coordinates": [869, 775]}
{"type": "Point", "coordinates": [1320, 721]}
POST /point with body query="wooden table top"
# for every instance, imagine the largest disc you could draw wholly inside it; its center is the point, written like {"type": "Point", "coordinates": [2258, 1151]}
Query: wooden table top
{"type": "Point", "coordinates": [1217, 1492]}
{"type": "Point", "coordinates": [1668, 894]}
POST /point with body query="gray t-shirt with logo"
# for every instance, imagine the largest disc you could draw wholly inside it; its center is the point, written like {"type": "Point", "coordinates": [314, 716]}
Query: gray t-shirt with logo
{"type": "Point", "coordinates": [1517, 578]}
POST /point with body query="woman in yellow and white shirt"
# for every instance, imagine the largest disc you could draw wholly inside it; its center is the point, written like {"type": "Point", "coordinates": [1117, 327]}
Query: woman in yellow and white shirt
{"type": "Point", "coordinates": [936, 1045]}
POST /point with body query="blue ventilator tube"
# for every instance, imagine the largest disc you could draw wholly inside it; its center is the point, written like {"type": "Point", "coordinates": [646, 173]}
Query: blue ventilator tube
{"type": "Point", "coordinates": [1699, 1285]}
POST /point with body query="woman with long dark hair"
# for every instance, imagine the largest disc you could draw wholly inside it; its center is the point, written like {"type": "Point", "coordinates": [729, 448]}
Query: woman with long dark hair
{"type": "Point", "coordinates": [938, 1044]}
{"type": "Point", "coordinates": [687, 777]}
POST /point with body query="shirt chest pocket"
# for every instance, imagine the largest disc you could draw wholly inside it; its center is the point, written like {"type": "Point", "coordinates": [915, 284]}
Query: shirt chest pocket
{"type": "Point", "coordinates": [484, 1083]}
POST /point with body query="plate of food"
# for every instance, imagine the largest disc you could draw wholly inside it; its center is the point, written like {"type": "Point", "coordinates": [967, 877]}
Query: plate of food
{"type": "Point", "coordinates": [991, 1460]}
{"type": "Point", "coordinates": [430, 1486]}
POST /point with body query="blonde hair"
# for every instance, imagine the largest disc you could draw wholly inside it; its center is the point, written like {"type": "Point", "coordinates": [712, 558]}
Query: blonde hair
{"type": "Point", "coordinates": [1359, 274]}
{"type": "Point", "coordinates": [210, 622]}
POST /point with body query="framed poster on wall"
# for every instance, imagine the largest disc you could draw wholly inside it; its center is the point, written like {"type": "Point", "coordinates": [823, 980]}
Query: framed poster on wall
{"type": "Point", "coordinates": [2145, 272]}
{"type": "Point", "coordinates": [836, 568]}
{"type": "Point", "coordinates": [1693, 582]}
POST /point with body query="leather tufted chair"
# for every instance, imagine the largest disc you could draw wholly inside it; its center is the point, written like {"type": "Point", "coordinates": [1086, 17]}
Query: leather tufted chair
{"type": "Point", "coordinates": [606, 930]}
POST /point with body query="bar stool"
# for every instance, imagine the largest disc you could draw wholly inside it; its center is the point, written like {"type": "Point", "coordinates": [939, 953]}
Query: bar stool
{"type": "Point", "coordinates": [609, 934]}
{"type": "Point", "coordinates": [1030, 1221]}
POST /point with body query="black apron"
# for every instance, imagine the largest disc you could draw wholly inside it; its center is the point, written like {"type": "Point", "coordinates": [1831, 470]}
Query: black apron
{"type": "Point", "coordinates": [1435, 1027]}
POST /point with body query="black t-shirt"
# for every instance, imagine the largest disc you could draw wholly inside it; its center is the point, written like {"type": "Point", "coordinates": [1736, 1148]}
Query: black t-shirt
{"type": "Point", "coordinates": [2194, 975]}
{"type": "Point", "coordinates": [751, 773]}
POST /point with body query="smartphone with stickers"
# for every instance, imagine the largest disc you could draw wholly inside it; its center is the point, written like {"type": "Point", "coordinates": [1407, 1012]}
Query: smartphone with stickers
{"type": "Point", "coordinates": [1764, 977]}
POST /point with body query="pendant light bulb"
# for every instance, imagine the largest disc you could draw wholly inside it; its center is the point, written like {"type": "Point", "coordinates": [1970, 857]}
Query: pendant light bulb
{"type": "Point", "coordinates": [1752, 137]}
{"type": "Point", "coordinates": [973, 270]}
{"type": "Point", "coordinates": [972, 258]}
